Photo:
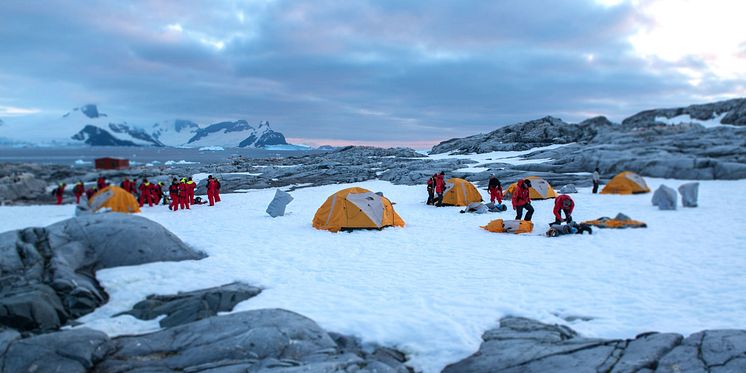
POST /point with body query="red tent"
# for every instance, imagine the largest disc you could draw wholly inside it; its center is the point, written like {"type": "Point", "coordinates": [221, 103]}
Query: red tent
{"type": "Point", "coordinates": [109, 163]}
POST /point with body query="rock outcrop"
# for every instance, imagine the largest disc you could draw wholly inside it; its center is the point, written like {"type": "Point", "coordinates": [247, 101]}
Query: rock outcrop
{"type": "Point", "coordinates": [19, 187]}
{"type": "Point", "coordinates": [733, 112]}
{"type": "Point", "coordinates": [186, 307]}
{"type": "Point", "coordinates": [524, 345]}
{"type": "Point", "coordinates": [260, 340]}
{"type": "Point", "coordinates": [48, 274]}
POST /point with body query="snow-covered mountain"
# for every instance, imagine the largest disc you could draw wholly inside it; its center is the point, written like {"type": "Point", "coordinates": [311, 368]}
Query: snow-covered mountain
{"type": "Point", "coordinates": [174, 132]}
{"type": "Point", "coordinates": [88, 125]}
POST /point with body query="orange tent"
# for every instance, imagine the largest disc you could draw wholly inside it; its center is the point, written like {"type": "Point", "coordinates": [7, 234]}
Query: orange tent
{"type": "Point", "coordinates": [356, 208]}
{"type": "Point", "coordinates": [115, 199]}
{"type": "Point", "coordinates": [626, 183]}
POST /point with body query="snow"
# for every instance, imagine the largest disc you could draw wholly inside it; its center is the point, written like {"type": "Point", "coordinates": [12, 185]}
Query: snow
{"type": "Point", "coordinates": [170, 163]}
{"type": "Point", "coordinates": [433, 287]}
{"type": "Point", "coordinates": [685, 118]}
{"type": "Point", "coordinates": [509, 157]}
{"type": "Point", "coordinates": [81, 162]}
{"type": "Point", "coordinates": [211, 148]}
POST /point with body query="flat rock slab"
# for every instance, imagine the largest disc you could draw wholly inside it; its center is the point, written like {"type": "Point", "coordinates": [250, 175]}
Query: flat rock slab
{"type": "Point", "coordinates": [48, 274]}
{"type": "Point", "coordinates": [524, 345]}
{"type": "Point", "coordinates": [260, 340]}
{"type": "Point", "coordinates": [187, 307]}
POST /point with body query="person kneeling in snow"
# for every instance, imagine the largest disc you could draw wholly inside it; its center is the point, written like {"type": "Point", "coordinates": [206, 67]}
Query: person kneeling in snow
{"type": "Point", "coordinates": [522, 200]}
{"type": "Point", "coordinates": [565, 204]}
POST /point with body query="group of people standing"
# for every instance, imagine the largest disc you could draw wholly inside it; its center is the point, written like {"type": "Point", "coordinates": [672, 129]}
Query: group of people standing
{"type": "Point", "coordinates": [180, 192]}
{"type": "Point", "coordinates": [520, 197]}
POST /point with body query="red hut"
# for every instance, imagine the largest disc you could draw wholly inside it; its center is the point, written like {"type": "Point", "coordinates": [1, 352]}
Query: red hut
{"type": "Point", "coordinates": [109, 163]}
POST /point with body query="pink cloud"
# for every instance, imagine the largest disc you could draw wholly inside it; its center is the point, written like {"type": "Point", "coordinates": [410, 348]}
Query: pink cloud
{"type": "Point", "coordinates": [418, 144]}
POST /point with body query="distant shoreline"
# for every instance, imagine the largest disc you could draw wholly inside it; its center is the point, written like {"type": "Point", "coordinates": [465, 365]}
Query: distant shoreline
{"type": "Point", "coordinates": [136, 154]}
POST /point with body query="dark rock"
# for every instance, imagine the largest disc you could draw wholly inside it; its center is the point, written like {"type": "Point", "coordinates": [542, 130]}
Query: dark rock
{"type": "Point", "coordinates": [21, 186]}
{"type": "Point", "coordinates": [66, 351]}
{"type": "Point", "coordinates": [187, 307]}
{"type": "Point", "coordinates": [246, 341]}
{"type": "Point", "coordinates": [665, 198]}
{"type": "Point", "coordinates": [689, 194]}
{"type": "Point", "coordinates": [523, 345]}
{"type": "Point", "coordinates": [48, 274]}
{"type": "Point", "coordinates": [568, 189]}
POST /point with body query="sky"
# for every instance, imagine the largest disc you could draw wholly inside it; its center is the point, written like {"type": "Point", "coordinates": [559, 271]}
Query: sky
{"type": "Point", "coordinates": [385, 72]}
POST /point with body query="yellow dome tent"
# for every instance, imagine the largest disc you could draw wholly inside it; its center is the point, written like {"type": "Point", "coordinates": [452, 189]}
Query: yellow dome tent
{"type": "Point", "coordinates": [460, 192]}
{"type": "Point", "coordinates": [626, 183]}
{"type": "Point", "coordinates": [509, 226]}
{"type": "Point", "coordinates": [540, 188]}
{"type": "Point", "coordinates": [356, 208]}
{"type": "Point", "coordinates": [115, 199]}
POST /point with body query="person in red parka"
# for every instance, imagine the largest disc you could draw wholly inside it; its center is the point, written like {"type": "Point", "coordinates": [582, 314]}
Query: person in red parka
{"type": "Point", "coordinates": [495, 189]}
{"type": "Point", "coordinates": [78, 191]}
{"type": "Point", "coordinates": [146, 193]}
{"type": "Point", "coordinates": [125, 184]}
{"type": "Point", "coordinates": [522, 200]}
{"type": "Point", "coordinates": [101, 183]}
{"type": "Point", "coordinates": [173, 193]}
{"type": "Point", "coordinates": [217, 190]}
{"type": "Point", "coordinates": [158, 192]}
{"type": "Point", "coordinates": [59, 192]}
{"type": "Point", "coordinates": [191, 186]}
{"type": "Point", "coordinates": [440, 187]}
{"type": "Point", "coordinates": [565, 204]}
{"type": "Point", "coordinates": [90, 192]}
{"type": "Point", "coordinates": [184, 194]}
{"type": "Point", "coordinates": [431, 189]}
{"type": "Point", "coordinates": [211, 186]}
{"type": "Point", "coordinates": [133, 187]}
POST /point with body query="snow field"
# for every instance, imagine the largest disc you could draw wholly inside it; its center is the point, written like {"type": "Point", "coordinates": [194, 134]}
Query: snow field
{"type": "Point", "coordinates": [433, 287]}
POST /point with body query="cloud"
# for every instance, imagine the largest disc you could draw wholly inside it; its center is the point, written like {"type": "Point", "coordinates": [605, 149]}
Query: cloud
{"type": "Point", "coordinates": [368, 71]}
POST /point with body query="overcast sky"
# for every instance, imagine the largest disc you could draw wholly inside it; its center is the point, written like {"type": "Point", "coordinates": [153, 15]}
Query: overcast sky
{"type": "Point", "coordinates": [381, 72]}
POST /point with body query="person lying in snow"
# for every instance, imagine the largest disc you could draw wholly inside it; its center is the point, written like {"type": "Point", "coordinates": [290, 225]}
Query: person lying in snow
{"type": "Point", "coordinates": [481, 208]}
{"type": "Point", "coordinates": [571, 227]}
{"type": "Point", "coordinates": [199, 201]}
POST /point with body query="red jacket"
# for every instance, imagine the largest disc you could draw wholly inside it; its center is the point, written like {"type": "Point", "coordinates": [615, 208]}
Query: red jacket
{"type": "Point", "coordinates": [183, 190]}
{"type": "Point", "coordinates": [559, 205]}
{"type": "Point", "coordinates": [440, 184]}
{"type": "Point", "coordinates": [146, 188]}
{"type": "Point", "coordinates": [78, 190]}
{"type": "Point", "coordinates": [101, 183]}
{"type": "Point", "coordinates": [173, 190]}
{"type": "Point", "coordinates": [125, 185]}
{"type": "Point", "coordinates": [211, 186]}
{"type": "Point", "coordinates": [60, 190]}
{"type": "Point", "coordinates": [521, 196]}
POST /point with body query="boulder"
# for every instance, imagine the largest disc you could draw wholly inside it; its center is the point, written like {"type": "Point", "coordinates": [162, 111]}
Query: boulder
{"type": "Point", "coordinates": [24, 186]}
{"type": "Point", "coordinates": [689, 194]}
{"type": "Point", "coordinates": [524, 345]}
{"type": "Point", "coordinates": [665, 198]}
{"type": "Point", "coordinates": [69, 351]}
{"type": "Point", "coordinates": [49, 273]}
{"type": "Point", "coordinates": [187, 307]}
{"type": "Point", "coordinates": [568, 189]}
{"type": "Point", "coordinates": [277, 205]}
{"type": "Point", "coordinates": [260, 340]}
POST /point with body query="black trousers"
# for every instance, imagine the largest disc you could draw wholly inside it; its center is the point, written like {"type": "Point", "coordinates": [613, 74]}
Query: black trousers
{"type": "Point", "coordinates": [595, 187]}
{"type": "Point", "coordinates": [430, 196]}
{"type": "Point", "coordinates": [440, 200]}
{"type": "Point", "coordinates": [529, 212]}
